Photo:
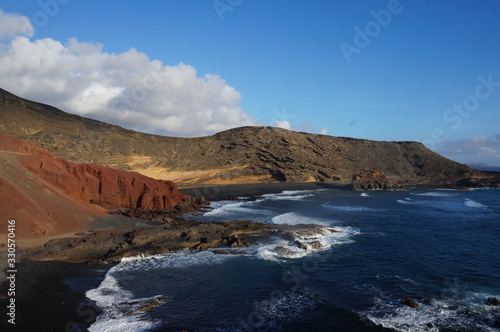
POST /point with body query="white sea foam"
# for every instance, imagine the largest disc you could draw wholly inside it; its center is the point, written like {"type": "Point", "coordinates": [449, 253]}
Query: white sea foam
{"type": "Point", "coordinates": [306, 242]}
{"type": "Point", "coordinates": [469, 312]}
{"type": "Point", "coordinates": [434, 194]}
{"type": "Point", "coordinates": [287, 305]}
{"type": "Point", "coordinates": [300, 192]}
{"type": "Point", "coordinates": [294, 218]}
{"type": "Point", "coordinates": [115, 303]}
{"type": "Point", "coordinates": [406, 201]}
{"type": "Point", "coordinates": [279, 309]}
{"type": "Point", "coordinates": [365, 195]}
{"type": "Point", "coordinates": [108, 292]}
{"type": "Point", "coordinates": [352, 208]}
{"type": "Point", "coordinates": [473, 204]}
{"type": "Point", "coordinates": [123, 324]}
{"type": "Point", "coordinates": [230, 208]}
{"type": "Point", "coordinates": [269, 251]}
{"type": "Point", "coordinates": [453, 205]}
{"type": "Point", "coordinates": [295, 195]}
{"type": "Point", "coordinates": [181, 259]}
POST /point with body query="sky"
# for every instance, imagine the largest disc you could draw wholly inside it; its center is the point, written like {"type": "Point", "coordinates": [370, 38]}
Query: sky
{"type": "Point", "coordinates": [407, 70]}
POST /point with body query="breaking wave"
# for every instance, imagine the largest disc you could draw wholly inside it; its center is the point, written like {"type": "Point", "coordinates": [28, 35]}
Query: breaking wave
{"type": "Point", "coordinates": [469, 313]}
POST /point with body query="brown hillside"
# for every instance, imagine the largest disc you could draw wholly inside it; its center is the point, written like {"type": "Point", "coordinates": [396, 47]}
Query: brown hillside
{"type": "Point", "coordinates": [241, 155]}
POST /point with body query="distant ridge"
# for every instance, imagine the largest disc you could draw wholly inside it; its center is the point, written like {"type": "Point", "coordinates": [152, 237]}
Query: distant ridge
{"type": "Point", "coordinates": [485, 167]}
{"type": "Point", "coordinates": [240, 155]}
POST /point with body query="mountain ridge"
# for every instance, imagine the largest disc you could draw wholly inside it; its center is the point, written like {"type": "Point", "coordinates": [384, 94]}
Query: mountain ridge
{"type": "Point", "coordinates": [234, 156]}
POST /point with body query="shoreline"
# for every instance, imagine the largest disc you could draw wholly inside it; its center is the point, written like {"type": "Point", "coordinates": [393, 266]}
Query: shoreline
{"type": "Point", "coordinates": [222, 191]}
{"type": "Point", "coordinates": [50, 296]}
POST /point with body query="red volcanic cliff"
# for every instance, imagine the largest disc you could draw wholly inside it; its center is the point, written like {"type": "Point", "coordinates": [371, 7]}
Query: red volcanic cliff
{"type": "Point", "coordinates": [107, 187]}
{"type": "Point", "coordinates": [96, 184]}
{"type": "Point", "coordinates": [52, 196]}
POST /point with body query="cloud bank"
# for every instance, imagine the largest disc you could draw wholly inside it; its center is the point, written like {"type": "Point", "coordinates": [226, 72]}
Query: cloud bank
{"type": "Point", "coordinates": [14, 25]}
{"type": "Point", "coordinates": [474, 150]}
{"type": "Point", "coordinates": [127, 89]}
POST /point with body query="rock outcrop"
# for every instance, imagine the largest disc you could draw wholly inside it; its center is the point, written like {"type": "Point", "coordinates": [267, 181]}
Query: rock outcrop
{"type": "Point", "coordinates": [110, 246]}
{"type": "Point", "coordinates": [409, 302]}
{"type": "Point", "coordinates": [373, 180]}
{"type": "Point", "coordinates": [493, 301]}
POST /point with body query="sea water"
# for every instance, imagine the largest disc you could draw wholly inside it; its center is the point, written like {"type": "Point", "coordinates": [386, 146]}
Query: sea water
{"type": "Point", "coordinates": [439, 247]}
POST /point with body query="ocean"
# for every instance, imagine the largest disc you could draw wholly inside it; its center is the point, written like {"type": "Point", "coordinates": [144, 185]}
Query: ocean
{"type": "Point", "coordinates": [438, 247]}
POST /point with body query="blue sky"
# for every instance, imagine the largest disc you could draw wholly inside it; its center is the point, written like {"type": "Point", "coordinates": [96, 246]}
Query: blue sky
{"type": "Point", "coordinates": [383, 70]}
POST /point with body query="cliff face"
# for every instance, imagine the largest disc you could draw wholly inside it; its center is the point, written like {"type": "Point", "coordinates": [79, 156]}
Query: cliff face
{"type": "Point", "coordinates": [49, 196]}
{"type": "Point", "coordinates": [241, 155]}
{"type": "Point", "coordinates": [106, 187]}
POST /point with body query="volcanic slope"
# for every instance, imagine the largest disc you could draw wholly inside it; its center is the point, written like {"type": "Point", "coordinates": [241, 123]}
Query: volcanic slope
{"type": "Point", "coordinates": [48, 196]}
{"type": "Point", "coordinates": [240, 155]}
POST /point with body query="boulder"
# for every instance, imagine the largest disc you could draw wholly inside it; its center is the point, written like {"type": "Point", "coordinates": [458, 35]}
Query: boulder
{"type": "Point", "coordinates": [301, 245]}
{"type": "Point", "coordinates": [408, 301]}
{"type": "Point", "coordinates": [316, 245]}
{"type": "Point", "coordinates": [146, 306]}
{"type": "Point", "coordinates": [282, 251]}
{"type": "Point", "coordinates": [493, 301]}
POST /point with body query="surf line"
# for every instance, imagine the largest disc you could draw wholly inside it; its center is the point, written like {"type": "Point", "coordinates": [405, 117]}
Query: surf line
{"type": "Point", "coordinates": [294, 279]}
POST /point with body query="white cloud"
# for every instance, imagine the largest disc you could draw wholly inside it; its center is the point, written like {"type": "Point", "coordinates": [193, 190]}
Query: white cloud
{"type": "Point", "coordinates": [283, 124]}
{"type": "Point", "coordinates": [127, 89]}
{"type": "Point", "coordinates": [323, 131]}
{"type": "Point", "coordinates": [14, 25]}
{"type": "Point", "coordinates": [474, 150]}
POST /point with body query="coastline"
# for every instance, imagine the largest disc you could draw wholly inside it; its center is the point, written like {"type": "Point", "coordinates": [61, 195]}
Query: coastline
{"type": "Point", "coordinates": [50, 296]}
{"type": "Point", "coordinates": [223, 191]}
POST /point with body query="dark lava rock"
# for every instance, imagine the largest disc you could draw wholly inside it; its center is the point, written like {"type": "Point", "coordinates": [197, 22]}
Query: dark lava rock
{"type": "Point", "coordinates": [301, 245]}
{"type": "Point", "coordinates": [147, 306]}
{"type": "Point", "coordinates": [408, 301]}
{"type": "Point", "coordinates": [372, 180]}
{"type": "Point", "coordinates": [316, 245]}
{"type": "Point", "coordinates": [282, 251]}
{"type": "Point", "coordinates": [493, 301]}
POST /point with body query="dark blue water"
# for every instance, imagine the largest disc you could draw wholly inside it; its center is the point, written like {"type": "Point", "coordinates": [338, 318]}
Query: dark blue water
{"type": "Point", "coordinates": [439, 247]}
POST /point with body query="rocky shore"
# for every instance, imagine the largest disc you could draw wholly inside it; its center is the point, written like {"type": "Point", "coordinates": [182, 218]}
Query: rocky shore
{"type": "Point", "coordinates": [53, 278]}
{"type": "Point", "coordinates": [173, 233]}
{"type": "Point", "coordinates": [56, 275]}
{"type": "Point", "coordinates": [108, 241]}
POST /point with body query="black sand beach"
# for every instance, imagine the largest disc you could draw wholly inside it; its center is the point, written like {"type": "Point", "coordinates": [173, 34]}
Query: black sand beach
{"type": "Point", "coordinates": [50, 296]}
{"type": "Point", "coordinates": [223, 191]}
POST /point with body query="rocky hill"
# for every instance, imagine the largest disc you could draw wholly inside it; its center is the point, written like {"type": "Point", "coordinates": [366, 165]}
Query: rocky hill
{"type": "Point", "coordinates": [241, 155]}
{"type": "Point", "coordinates": [50, 196]}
